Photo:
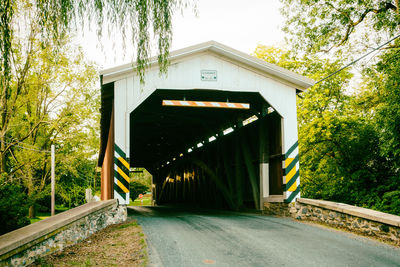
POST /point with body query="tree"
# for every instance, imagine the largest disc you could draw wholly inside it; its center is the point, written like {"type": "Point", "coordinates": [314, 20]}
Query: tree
{"type": "Point", "coordinates": [52, 99]}
{"type": "Point", "coordinates": [316, 26]}
{"type": "Point", "coordinates": [137, 188]}
{"type": "Point", "coordinates": [335, 29]}
{"type": "Point", "coordinates": [388, 112]}
{"type": "Point", "coordinates": [52, 21]}
{"type": "Point", "coordinates": [142, 176]}
{"type": "Point", "coordinates": [60, 105]}
{"type": "Point", "coordinates": [337, 137]}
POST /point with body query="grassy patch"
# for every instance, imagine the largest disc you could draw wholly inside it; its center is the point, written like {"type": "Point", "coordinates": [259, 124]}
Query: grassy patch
{"type": "Point", "coordinates": [125, 225]}
{"type": "Point", "coordinates": [88, 263]}
{"type": "Point", "coordinates": [36, 219]}
{"type": "Point", "coordinates": [43, 215]}
{"type": "Point", "coordinates": [145, 201]}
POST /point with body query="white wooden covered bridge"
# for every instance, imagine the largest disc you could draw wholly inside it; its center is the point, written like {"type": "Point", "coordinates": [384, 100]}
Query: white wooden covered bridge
{"type": "Point", "coordinates": [220, 129]}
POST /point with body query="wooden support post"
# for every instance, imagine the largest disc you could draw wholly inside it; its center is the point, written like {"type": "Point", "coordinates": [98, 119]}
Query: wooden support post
{"type": "Point", "coordinates": [275, 158]}
{"type": "Point", "coordinates": [107, 169]}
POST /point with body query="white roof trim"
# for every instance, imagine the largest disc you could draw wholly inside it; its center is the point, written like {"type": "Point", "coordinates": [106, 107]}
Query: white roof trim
{"type": "Point", "coordinates": [271, 69]}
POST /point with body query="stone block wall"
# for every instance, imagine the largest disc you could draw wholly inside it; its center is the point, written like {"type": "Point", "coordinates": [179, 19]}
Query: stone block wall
{"type": "Point", "coordinates": [360, 220]}
{"type": "Point", "coordinates": [276, 208]}
{"type": "Point", "coordinates": [24, 246]}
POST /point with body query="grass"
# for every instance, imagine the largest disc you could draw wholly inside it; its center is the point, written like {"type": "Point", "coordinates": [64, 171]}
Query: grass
{"type": "Point", "coordinates": [43, 215]}
{"type": "Point", "coordinates": [37, 219]}
{"type": "Point", "coordinates": [122, 226]}
{"type": "Point", "coordinates": [146, 201]}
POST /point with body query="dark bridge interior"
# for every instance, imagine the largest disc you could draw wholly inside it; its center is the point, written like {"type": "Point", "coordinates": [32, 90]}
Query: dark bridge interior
{"type": "Point", "coordinates": [207, 156]}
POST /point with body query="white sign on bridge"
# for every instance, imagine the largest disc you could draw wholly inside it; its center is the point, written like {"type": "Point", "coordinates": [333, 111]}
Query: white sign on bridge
{"type": "Point", "coordinates": [209, 75]}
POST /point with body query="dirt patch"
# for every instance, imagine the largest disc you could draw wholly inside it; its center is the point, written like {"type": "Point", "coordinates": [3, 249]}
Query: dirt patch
{"type": "Point", "coordinates": [116, 245]}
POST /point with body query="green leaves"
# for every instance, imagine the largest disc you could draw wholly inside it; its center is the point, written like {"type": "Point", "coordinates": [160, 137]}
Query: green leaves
{"type": "Point", "coordinates": [52, 98]}
{"type": "Point", "coordinates": [136, 188]}
{"type": "Point", "coordinates": [315, 26]}
{"type": "Point", "coordinates": [56, 19]}
{"type": "Point", "coordinates": [13, 208]}
{"type": "Point", "coordinates": [348, 144]}
{"type": "Point", "coordinates": [388, 111]}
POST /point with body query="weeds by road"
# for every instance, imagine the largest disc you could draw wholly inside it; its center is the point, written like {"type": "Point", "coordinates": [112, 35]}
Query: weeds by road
{"type": "Point", "coordinates": [116, 245]}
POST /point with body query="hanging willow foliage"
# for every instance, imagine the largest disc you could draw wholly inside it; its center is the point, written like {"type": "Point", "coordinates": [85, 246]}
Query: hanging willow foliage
{"type": "Point", "coordinates": [6, 14]}
{"type": "Point", "coordinates": [132, 18]}
{"type": "Point", "coordinates": [30, 25]}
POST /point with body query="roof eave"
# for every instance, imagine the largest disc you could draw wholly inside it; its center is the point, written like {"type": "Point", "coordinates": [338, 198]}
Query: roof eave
{"type": "Point", "coordinates": [301, 82]}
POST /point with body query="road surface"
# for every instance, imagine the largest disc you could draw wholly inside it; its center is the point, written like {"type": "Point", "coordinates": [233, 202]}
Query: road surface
{"type": "Point", "coordinates": [182, 237]}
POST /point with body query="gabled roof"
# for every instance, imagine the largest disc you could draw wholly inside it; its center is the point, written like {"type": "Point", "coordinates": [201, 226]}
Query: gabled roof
{"type": "Point", "coordinates": [299, 81]}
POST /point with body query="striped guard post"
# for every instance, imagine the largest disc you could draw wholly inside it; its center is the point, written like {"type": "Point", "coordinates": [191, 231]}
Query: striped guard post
{"type": "Point", "coordinates": [121, 176]}
{"type": "Point", "coordinates": [205, 104]}
{"type": "Point", "coordinates": [291, 173]}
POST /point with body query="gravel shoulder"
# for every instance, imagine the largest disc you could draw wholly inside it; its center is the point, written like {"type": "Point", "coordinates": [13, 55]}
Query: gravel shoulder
{"type": "Point", "coordinates": [116, 245]}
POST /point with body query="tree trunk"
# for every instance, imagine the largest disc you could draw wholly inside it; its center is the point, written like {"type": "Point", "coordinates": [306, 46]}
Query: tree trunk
{"type": "Point", "coordinates": [2, 155]}
{"type": "Point", "coordinates": [32, 213]}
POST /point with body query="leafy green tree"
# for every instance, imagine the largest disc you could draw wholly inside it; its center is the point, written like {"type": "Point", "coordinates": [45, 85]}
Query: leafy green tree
{"type": "Point", "coordinates": [379, 102]}
{"type": "Point", "coordinates": [390, 202]}
{"type": "Point", "coordinates": [47, 92]}
{"type": "Point", "coordinates": [338, 139]}
{"type": "Point", "coordinates": [388, 111]}
{"type": "Point", "coordinates": [142, 176]}
{"type": "Point", "coordinates": [315, 26]}
{"type": "Point", "coordinates": [53, 100]}
{"type": "Point", "coordinates": [48, 22]}
{"type": "Point", "coordinates": [318, 26]}
{"type": "Point", "coordinates": [368, 137]}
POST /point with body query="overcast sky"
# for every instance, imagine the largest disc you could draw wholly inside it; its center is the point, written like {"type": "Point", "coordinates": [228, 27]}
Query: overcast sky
{"type": "Point", "coordinates": [235, 23]}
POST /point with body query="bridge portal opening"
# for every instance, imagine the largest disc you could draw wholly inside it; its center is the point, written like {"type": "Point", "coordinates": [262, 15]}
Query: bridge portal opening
{"type": "Point", "coordinates": [207, 156]}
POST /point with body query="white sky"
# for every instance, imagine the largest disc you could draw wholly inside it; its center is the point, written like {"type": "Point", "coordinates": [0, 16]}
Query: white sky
{"type": "Point", "coordinates": [236, 23]}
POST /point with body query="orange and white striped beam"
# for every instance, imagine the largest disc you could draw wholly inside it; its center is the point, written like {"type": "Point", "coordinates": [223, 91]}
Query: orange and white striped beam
{"type": "Point", "coordinates": [205, 104]}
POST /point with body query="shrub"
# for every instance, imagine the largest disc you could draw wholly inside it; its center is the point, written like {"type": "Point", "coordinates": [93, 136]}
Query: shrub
{"type": "Point", "coordinates": [390, 202]}
{"type": "Point", "coordinates": [137, 188]}
{"type": "Point", "coordinates": [13, 208]}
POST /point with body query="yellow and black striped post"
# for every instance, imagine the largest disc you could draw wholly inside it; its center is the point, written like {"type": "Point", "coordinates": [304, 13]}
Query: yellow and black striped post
{"type": "Point", "coordinates": [291, 173]}
{"type": "Point", "coordinates": [121, 176]}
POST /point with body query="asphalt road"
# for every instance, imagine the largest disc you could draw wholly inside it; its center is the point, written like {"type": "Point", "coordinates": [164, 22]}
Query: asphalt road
{"type": "Point", "coordinates": [182, 237]}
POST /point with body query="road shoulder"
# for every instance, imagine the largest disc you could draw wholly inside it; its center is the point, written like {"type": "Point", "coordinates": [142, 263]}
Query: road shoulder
{"type": "Point", "coordinates": [117, 245]}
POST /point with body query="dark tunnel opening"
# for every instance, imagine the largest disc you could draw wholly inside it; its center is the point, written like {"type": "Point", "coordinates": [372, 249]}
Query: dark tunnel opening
{"type": "Point", "coordinates": [207, 156]}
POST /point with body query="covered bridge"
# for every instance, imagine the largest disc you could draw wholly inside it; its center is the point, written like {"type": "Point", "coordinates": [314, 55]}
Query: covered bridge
{"type": "Point", "coordinates": [219, 129]}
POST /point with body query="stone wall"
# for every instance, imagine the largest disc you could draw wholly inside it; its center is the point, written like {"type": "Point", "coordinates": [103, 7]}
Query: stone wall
{"type": "Point", "coordinates": [364, 221]}
{"type": "Point", "coordinates": [276, 208]}
{"type": "Point", "coordinates": [21, 247]}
